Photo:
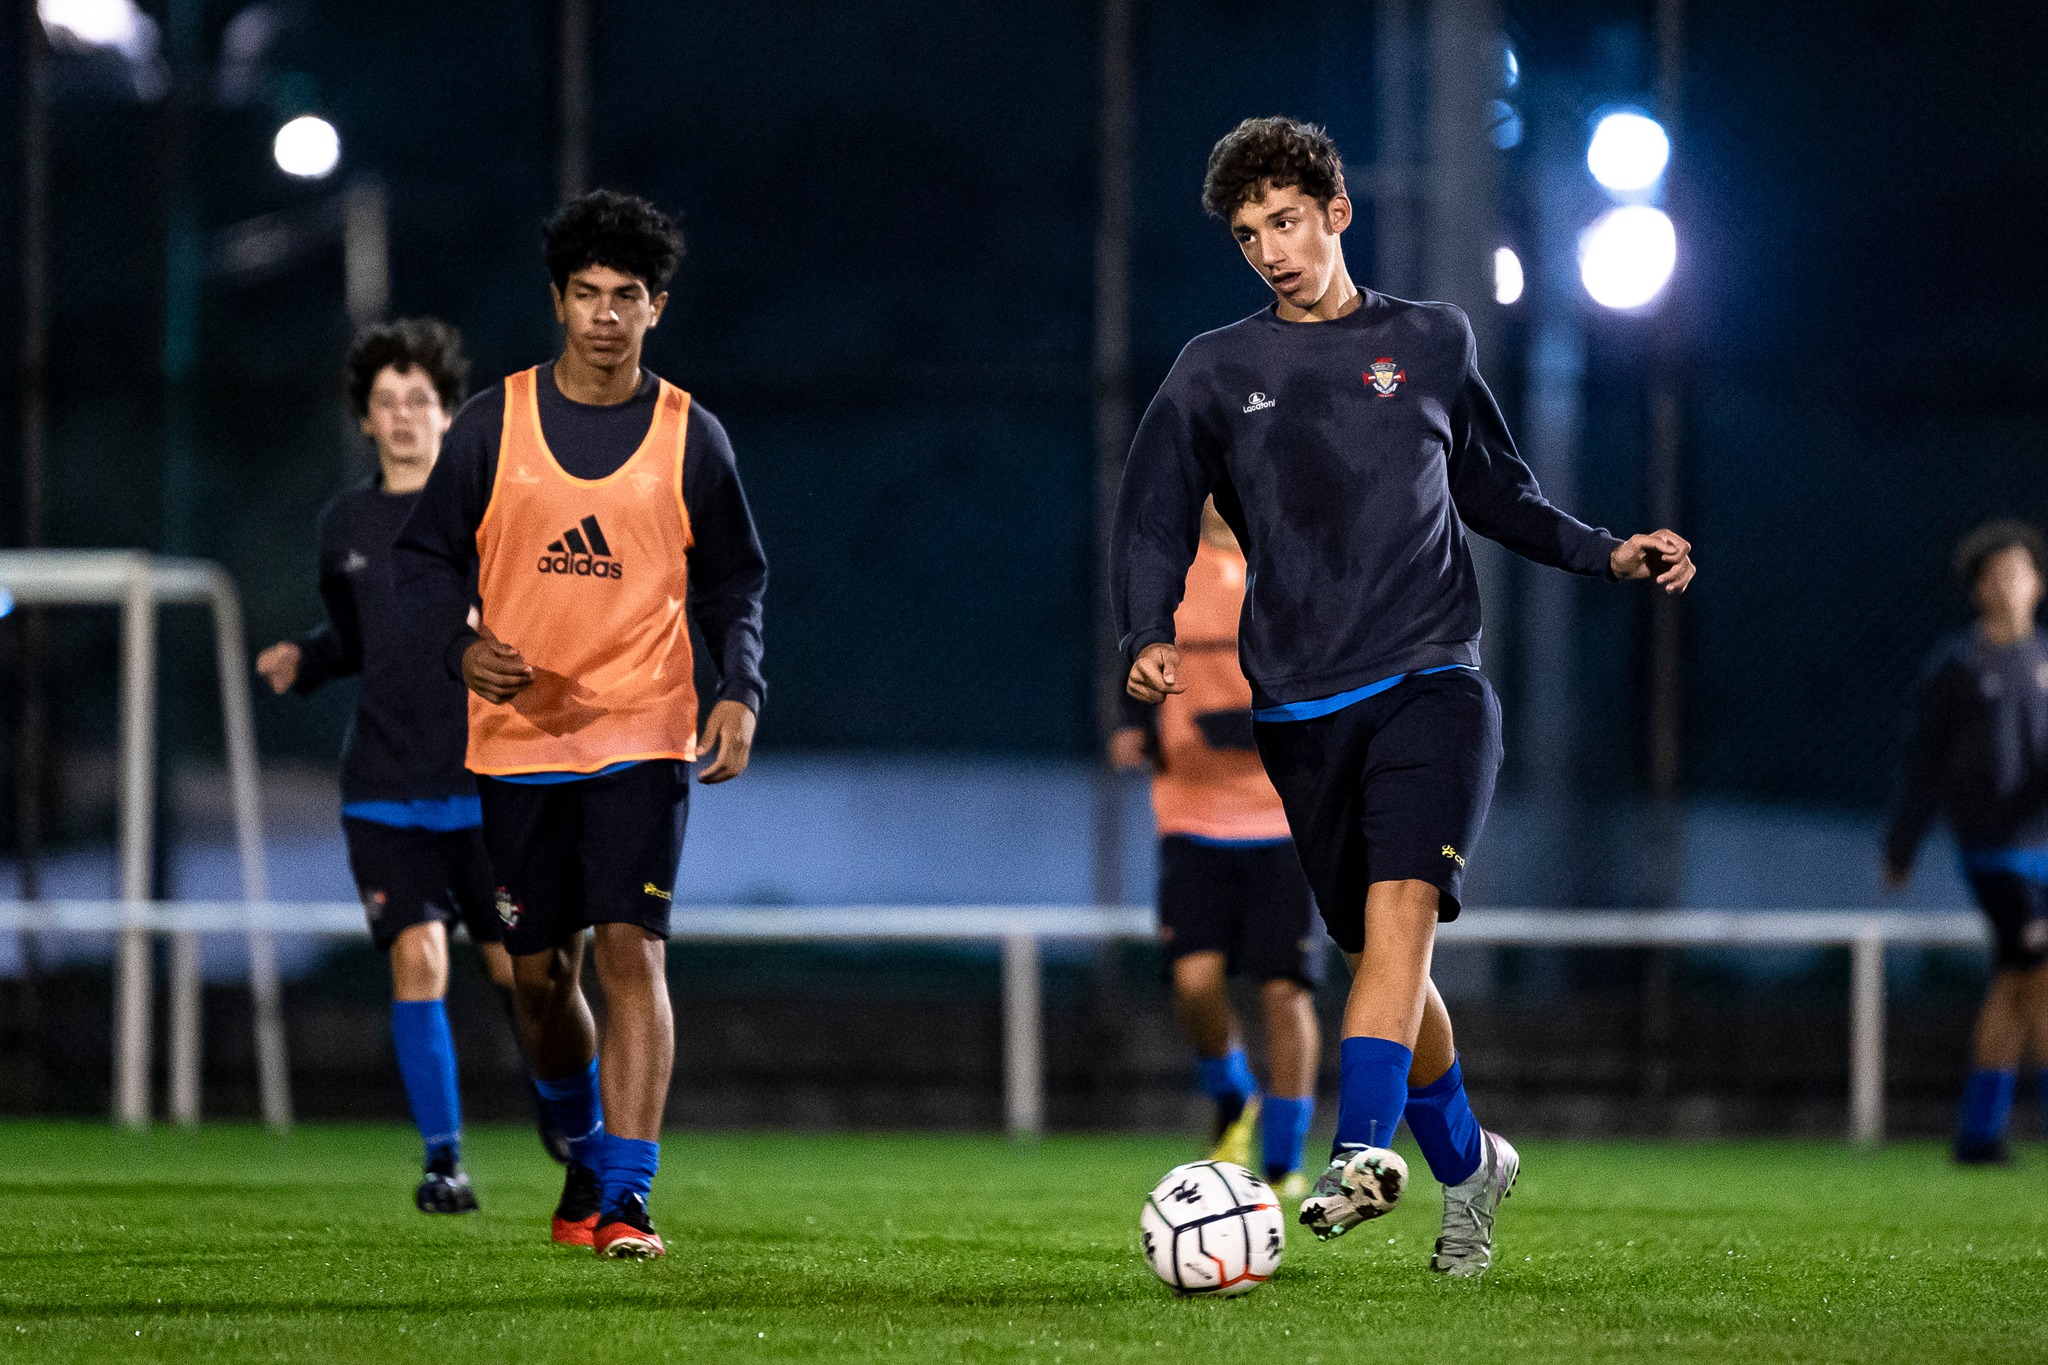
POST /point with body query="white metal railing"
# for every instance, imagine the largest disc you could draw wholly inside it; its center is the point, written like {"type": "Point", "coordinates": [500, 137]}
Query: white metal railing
{"type": "Point", "coordinates": [1020, 930]}
{"type": "Point", "coordinates": [139, 583]}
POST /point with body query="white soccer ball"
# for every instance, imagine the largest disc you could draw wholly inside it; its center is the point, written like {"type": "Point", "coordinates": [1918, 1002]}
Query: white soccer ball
{"type": "Point", "coordinates": [1211, 1227]}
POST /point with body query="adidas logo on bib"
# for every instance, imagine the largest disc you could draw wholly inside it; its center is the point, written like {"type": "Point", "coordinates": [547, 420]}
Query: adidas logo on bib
{"type": "Point", "coordinates": [582, 552]}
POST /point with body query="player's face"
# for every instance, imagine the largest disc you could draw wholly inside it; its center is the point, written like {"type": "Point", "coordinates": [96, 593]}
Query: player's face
{"type": "Point", "coordinates": [607, 313]}
{"type": "Point", "coordinates": [406, 418]}
{"type": "Point", "coordinates": [1293, 242]}
{"type": "Point", "coordinates": [2009, 582]}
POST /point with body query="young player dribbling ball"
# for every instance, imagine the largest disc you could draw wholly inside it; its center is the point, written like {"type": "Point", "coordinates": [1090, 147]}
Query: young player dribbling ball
{"type": "Point", "coordinates": [602, 511]}
{"type": "Point", "coordinates": [1978, 757]}
{"type": "Point", "coordinates": [1349, 441]}
{"type": "Point", "coordinates": [1231, 894]}
{"type": "Point", "coordinates": [409, 808]}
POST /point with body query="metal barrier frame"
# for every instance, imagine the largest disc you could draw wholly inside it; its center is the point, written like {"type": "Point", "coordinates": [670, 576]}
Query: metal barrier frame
{"type": "Point", "coordinates": [1021, 931]}
{"type": "Point", "coordinates": [138, 584]}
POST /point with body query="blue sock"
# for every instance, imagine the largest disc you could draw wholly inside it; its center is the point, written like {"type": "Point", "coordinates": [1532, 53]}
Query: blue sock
{"type": "Point", "coordinates": [629, 1167]}
{"type": "Point", "coordinates": [1987, 1102]}
{"type": "Point", "coordinates": [1441, 1118]}
{"type": "Point", "coordinates": [1228, 1080]}
{"type": "Point", "coordinates": [1372, 1090]}
{"type": "Point", "coordinates": [426, 1059]}
{"type": "Point", "coordinates": [576, 1108]}
{"type": "Point", "coordinates": [1283, 1127]}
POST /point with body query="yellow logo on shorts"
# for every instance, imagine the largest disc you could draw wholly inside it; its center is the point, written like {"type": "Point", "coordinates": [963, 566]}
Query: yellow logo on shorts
{"type": "Point", "coordinates": [1454, 855]}
{"type": "Point", "coordinates": [651, 889]}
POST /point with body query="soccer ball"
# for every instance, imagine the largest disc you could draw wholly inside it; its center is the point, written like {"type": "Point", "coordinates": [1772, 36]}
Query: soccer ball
{"type": "Point", "coordinates": [1211, 1227]}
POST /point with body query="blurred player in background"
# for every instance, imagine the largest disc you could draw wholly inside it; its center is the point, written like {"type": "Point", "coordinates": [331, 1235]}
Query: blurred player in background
{"type": "Point", "coordinates": [409, 808]}
{"type": "Point", "coordinates": [1349, 441]}
{"type": "Point", "coordinates": [1231, 893]}
{"type": "Point", "coordinates": [601, 509]}
{"type": "Point", "coordinates": [1978, 756]}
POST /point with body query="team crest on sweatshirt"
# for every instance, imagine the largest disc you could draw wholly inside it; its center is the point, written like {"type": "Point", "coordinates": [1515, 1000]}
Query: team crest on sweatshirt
{"type": "Point", "coordinates": [1385, 377]}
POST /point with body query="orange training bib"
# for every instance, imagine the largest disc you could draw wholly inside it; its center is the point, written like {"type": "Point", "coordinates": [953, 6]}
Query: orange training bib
{"type": "Point", "coordinates": [1200, 789]}
{"type": "Point", "coordinates": [588, 580]}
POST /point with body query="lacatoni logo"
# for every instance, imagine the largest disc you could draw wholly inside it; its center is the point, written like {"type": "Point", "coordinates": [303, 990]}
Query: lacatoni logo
{"type": "Point", "coordinates": [1257, 401]}
{"type": "Point", "coordinates": [582, 552]}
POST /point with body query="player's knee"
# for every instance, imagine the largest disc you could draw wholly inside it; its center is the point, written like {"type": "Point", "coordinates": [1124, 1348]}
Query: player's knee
{"type": "Point", "coordinates": [1198, 977]}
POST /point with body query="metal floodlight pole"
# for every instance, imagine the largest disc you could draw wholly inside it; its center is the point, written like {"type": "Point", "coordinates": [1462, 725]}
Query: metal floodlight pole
{"type": "Point", "coordinates": [1112, 376]}
{"type": "Point", "coordinates": [574, 163]}
{"type": "Point", "coordinates": [1665, 433]}
{"type": "Point", "coordinates": [35, 174]}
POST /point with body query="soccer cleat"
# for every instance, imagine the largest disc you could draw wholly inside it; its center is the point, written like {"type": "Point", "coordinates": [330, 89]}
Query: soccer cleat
{"type": "Point", "coordinates": [625, 1234]}
{"type": "Point", "coordinates": [1466, 1247]}
{"type": "Point", "coordinates": [576, 1216]}
{"type": "Point", "coordinates": [1234, 1139]}
{"type": "Point", "coordinates": [1292, 1186]}
{"type": "Point", "coordinates": [1360, 1183]}
{"type": "Point", "coordinates": [1983, 1152]}
{"type": "Point", "coordinates": [444, 1189]}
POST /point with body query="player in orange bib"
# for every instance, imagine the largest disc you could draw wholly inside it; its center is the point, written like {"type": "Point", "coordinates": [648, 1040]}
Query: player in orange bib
{"type": "Point", "coordinates": [600, 510]}
{"type": "Point", "coordinates": [1232, 895]}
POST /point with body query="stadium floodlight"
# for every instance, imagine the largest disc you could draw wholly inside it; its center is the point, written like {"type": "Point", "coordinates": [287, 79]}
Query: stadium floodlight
{"type": "Point", "coordinates": [115, 24]}
{"type": "Point", "coordinates": [1626, 257]}
{"type": "Point", "coordinates": [1628, 151]}
{"type": "Point", "coordinates": [1507, 276]}
{"type": "Point", "coordinates": [307, 147]}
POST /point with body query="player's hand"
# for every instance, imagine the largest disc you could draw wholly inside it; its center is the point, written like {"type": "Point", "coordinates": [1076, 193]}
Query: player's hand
{"type": "Point", "coordinates": [1663, 555]}
{"type": "Point", "coordinates": [1127, 749]}
{"type": "Point", "coordinates": [279, 666]}
{"type": "Point", "coordinates": [728, 742]}
{"type": "Point", "coordinates": [494, 671]}
{"type": "Point", "coordinates": [1895, 876]}
{"type": "Point", "coordinates": [1156, 674]}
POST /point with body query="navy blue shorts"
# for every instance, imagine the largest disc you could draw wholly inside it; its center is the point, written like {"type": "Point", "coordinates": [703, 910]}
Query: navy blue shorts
{"type": "Point", "coordinates": [418, 876]}
{"type": "Point", "coordinates": [601, 850]}
{"type": "Point", "coordinates": [2018, 910]}
{"type": "Point", "coordinates": [1391, 788]}
{"type": "Point", "coordinates": [1249, 902]}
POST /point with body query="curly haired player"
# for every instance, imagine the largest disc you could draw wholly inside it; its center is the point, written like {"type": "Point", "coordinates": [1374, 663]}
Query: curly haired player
{"type": "Point", "coordinates": [601, 510]}
{"type": "Point", "coordinates": [1349, 442]}
{"type": "Point", "coordinates": [409, 809]}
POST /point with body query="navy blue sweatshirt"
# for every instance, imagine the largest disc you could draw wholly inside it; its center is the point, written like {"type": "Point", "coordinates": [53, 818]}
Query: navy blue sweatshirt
{"type": "Point", "coordinates": [1978, 751]}
{"type": "Point", "coordinates": [1349, 457]}
{"type": "Point", "coordinates": [728, 571]}
{"type": "Point", "coordinates": [411, 723]}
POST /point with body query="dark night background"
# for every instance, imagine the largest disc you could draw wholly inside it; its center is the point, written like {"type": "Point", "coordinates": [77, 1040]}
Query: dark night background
{"type": "Point", "coordinates": [888, 300]}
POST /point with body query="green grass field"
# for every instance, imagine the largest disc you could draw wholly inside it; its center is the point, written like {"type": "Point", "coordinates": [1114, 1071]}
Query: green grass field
{"type": "Point", "coordinates": [230, 1246]}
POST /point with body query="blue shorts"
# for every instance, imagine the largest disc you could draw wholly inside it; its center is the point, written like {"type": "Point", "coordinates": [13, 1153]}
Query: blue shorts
{"type": "Point", "coordinates": [1392, 788]}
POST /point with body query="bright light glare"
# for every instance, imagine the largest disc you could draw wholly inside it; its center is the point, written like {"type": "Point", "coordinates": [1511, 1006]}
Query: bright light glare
{"type": "Point", "coordinates": [1626, 257]}
{"type": "Point", "coordinates": [1628, 152]}
{"type": "Point", "coordinates": [94, 23]}
{"type": "Point", "coordinates": [6, 602]}
{"type": "Point", "coordinates": [1507, 276]}
{"type": "Point", "coordinates": [307, 147]}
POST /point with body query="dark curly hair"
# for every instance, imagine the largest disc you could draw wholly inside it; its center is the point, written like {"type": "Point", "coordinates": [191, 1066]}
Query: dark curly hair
{"type": "Point", "coordinates": [428, 344]}
{"type": "Point", "coordinates": [1992, 537]}
{"type": "Point", "coordinates": [620, 231]}
{"type": "Point", "coordinates": [1276, 153]}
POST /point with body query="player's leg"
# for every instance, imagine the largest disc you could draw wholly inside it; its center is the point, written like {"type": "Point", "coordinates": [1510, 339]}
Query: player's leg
{"type": "Point", "coordinates": [1201, 1001]}
{"type": "Point", "coordinates": [1196, 911]}
{"type": "Point", "coordinates": [473, 888]}
{"type": "Point", "coordinates": [632, 841]}
{"type": "Point", "coordinates": [1284, 950]}
{"type": "Point", "coordinates": [395, 871]}
{"type": "Point", "coordinates": [531, 834]}
{"type": "Point", "coordinates": [2004, 1021]}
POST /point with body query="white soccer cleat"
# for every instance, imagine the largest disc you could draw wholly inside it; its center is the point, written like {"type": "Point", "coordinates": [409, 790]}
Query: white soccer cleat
{"type": "Point", "coordinates": [1360, 1183]}
{"type": "Point", "coordinates": [1466, 1247]}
